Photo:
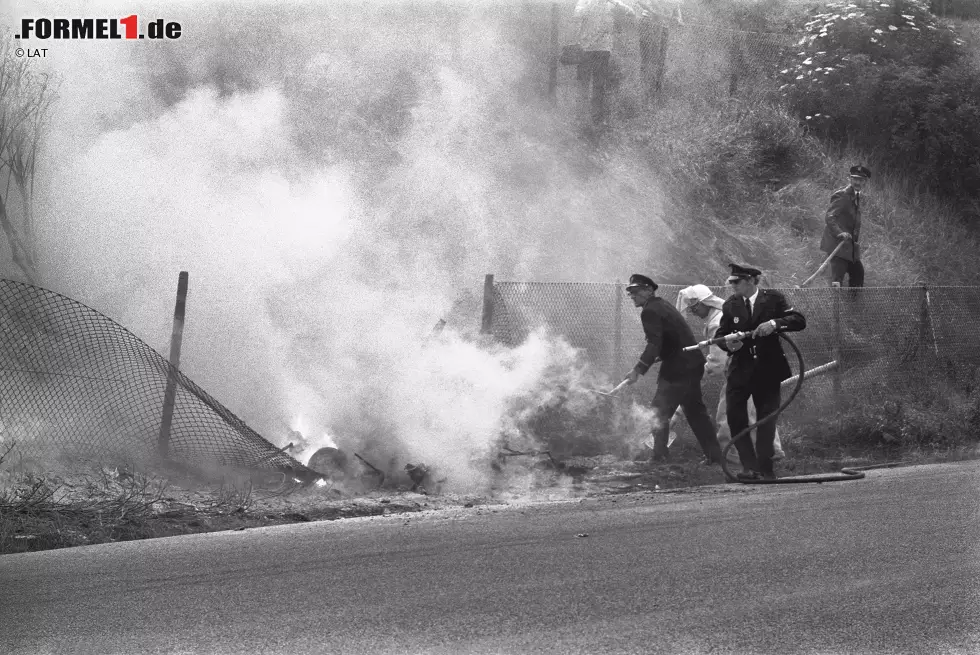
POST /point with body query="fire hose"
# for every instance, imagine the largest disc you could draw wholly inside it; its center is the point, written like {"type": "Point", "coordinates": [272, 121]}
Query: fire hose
{"type": "Point", "coordinates": [849, 473]}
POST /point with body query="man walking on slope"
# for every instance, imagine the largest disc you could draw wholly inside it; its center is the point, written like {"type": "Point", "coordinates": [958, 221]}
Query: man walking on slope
{"type": "Point", "coordinates": [700, 301]}
{"type": "Point", "coordinates": [843, 224]}
{"type": "Point", "coordinates": [679, 380]}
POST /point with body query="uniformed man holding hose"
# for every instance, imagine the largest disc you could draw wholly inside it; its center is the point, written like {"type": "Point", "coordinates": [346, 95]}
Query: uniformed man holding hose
{"type": "Point", "coordinates": [758, 364]}
{"type": "Point", "coordinates": [700, 301]}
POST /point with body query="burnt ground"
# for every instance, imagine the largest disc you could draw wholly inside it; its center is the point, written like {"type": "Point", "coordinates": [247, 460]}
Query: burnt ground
{"type": "Point", "coordinates": [40, 512]}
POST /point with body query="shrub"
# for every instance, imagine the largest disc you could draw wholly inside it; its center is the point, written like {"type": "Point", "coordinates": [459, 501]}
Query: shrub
{"type": "Point", "coordinates": [893, 81]}
{"type": "Point", "coordinates": [968, 9]}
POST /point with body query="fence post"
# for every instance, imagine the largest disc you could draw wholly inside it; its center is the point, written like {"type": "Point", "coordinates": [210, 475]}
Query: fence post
{"type": "Point", "coordinates": [553, 55]}
{"type": "Point", "coordinates": [926, 320]}
{"type": "Point", "coordinates": [487, 327]}
{"type": "Point", "coordinates": [169, 397]}
{"type": "Point", "coordinates": [735, 63]}
{"type": "Point", "coordinates": [837, 304]}
{"type": "Point", "coordinates": [617, 331]}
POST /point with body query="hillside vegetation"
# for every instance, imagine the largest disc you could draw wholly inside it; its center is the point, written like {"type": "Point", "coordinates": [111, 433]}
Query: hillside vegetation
{"type": "Point", "coordinates": [888, 84]}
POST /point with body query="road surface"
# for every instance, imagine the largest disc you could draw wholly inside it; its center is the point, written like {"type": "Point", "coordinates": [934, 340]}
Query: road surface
{"type": "Point", "coordinates": [889, 564]}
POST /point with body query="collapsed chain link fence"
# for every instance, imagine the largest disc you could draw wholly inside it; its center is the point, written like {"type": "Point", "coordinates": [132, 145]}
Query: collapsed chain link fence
{"type": "Point", "coordinates": [74, 383]}
{"type": "Point", "coordinates": [898, 345]}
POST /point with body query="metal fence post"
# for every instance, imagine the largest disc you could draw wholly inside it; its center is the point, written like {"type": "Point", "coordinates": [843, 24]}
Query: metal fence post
{"type": "Point", "coordinates": [926, 320]}
{"type": "Point", "coordinates": [169, 397]}
{"type": "Point", "coordinates": [837, 307]}
{"type": "Point", "coordinates": [617, 331]}
{"type": "Point", "coordinates": [487, 326]}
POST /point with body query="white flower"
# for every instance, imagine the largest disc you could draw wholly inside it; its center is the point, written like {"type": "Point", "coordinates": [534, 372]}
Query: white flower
{"type": "Point", "coordinates": [874, 40]}
{"type": "Point", "coordinates": [893, 28]}
{"type": "Point", "coordinates": [907, 17]}
{"type": "Point", "coordinates": [878, 32]}
{"type": "Point", "coordinates": [784, 72]}
{"type": "Point", "coordinates": [799, 77]}
{"type": "Point", "coordinates": [807, 61]}
{"type": "Point", "coordinates": [802, 41]}
{"type": "Point", "coordinates": [822, 52]}
{"type": "Point", "coordinates": [808, 118]}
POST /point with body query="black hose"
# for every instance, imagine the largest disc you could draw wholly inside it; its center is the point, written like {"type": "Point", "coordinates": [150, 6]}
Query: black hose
{"type": "Point", "coordinates": [850, 473]}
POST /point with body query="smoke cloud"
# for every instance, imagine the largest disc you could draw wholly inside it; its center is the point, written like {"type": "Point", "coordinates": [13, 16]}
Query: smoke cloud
{"type": "Point", "coordinates": [334, 178]}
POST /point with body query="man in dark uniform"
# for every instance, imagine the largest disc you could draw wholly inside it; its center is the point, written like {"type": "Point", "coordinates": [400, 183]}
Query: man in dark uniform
{"type": "Point", "coordinates": [758, 364]}
{"type": "Point", "coordinates": [844, 224]}
{"type": "Point", "coordinates": [679, 380]}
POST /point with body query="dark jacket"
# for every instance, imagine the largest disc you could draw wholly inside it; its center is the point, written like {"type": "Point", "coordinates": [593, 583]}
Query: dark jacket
{"type": "Point", "coordinates": [764, 354]}
{"type": "Point", "coordinates": [667, 333]}
{"type": "Point", "coordinates": [844, 215]}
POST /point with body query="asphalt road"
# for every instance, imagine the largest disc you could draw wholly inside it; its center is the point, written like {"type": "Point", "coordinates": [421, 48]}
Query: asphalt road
{"type": "Point", "coordinates": [890, 564]}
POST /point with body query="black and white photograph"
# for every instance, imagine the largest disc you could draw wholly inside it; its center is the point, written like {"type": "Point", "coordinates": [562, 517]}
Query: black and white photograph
{"type": "Point", "coordinates": [503, 327]}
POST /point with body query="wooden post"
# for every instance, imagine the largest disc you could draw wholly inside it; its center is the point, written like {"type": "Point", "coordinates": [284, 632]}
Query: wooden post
{"type": "Point", "coordinates": [487, 327]}
{"type": "Point", "coordinates": [553, 55]}
{"type": "Point", "coordinates": [837, 307]}
{"type": "Point", "coordinates": [169, 397]}
{"type": "Point", "coordinates": [735, 63]}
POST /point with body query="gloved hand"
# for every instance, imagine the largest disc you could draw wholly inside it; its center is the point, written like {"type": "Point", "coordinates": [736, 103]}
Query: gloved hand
{"type": "Point", "coordinates": [733, 342]}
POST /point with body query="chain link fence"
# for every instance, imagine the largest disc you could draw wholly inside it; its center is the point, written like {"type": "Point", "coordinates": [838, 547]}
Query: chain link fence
{"type": "Point", "coordinates": [890, 344]}
{"type": "Point", "coordinates": [74, 383]}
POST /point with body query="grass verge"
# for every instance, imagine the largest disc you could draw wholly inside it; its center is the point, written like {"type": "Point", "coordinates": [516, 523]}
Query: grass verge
{"type": "Point", "coordinates": [49, 511]}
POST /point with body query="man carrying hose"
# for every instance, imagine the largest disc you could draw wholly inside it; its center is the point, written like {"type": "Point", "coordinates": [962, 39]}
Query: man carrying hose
{"type": "Point", "coordinates": [700, 301]}
{"type": "Point", "coordinates": [843, 228]}
{"type": "Point", "coordinates": [679, 380]}
{"type": "Point", "coordinates": [758, 364]}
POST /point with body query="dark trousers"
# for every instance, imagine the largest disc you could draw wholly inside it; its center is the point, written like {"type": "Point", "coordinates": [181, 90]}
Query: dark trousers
{"type": "Point", "coordinates": [594, 77]}
{"type": "Point", "coordinates": [765, 393]}
{"type": "Point", "coordinates": [687, 395]}
{"type": "Point", "coordinates": [839, 267]}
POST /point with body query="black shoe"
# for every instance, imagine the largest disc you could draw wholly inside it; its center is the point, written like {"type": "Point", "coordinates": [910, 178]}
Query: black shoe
{"type": "Point", "coordinates": [747, 476]}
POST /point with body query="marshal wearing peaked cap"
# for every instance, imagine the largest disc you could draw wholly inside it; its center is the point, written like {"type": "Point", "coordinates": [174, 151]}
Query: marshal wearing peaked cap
{"type": "Point", "coordinates": [637, 281]}
{"type": "Point", "coordinates": [860, 171]}
{"type": "Point", "coordinates": [740, 272]}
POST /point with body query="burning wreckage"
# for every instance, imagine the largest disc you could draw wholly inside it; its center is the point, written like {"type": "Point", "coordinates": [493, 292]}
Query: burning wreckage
{"type": "Point", "coordinates": [338, 467]}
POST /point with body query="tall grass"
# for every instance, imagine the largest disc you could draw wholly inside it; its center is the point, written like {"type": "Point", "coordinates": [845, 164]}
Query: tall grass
{"type": "Point", "coordinates": [745, 180]}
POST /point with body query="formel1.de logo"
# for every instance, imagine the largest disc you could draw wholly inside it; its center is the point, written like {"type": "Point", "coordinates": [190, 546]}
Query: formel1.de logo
{"type": "Point", "coordinates": [97, 28]}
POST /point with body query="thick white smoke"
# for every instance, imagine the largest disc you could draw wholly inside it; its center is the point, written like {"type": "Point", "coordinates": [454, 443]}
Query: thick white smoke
{"type": "Point", "coordinates": [332, 179]}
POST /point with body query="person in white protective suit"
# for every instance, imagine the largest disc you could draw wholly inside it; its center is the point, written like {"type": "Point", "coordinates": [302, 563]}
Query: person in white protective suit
{"type": "Point", "coordinates": [699, 301]}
